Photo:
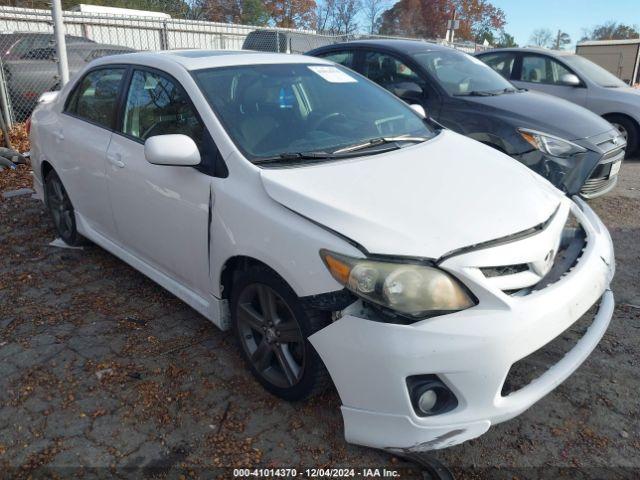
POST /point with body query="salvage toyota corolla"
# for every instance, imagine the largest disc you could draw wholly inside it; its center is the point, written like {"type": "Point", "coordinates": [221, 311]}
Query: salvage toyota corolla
{"type": "Point", "coordinates": [344, 238]}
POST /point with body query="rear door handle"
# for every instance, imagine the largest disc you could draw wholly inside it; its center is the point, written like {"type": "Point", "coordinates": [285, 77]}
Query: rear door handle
{"type": "Point", "coordinates": [114, 159]}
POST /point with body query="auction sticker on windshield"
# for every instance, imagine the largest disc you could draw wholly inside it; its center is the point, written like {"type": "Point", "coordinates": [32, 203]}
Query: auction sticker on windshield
{"type": "Point", "coordinates": [332, 74]}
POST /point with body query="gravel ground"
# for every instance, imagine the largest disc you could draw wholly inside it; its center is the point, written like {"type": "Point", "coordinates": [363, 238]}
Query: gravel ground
{"type": "Point", "coordinates": [102, 369]}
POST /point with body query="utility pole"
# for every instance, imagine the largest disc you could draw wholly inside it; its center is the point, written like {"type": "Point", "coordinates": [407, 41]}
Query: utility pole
{"type": "Point", "coordinates": [558, 40]}
{"type": "Point", "coordinates": [61, 45]}
{"type": "Point", "coordinates": [452, 25]}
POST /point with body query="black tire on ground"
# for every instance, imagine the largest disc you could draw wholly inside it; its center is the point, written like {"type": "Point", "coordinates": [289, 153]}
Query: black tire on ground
{"type": "Point", "coordinates": [625, 124]}
{"type": "Point", "coordinates": [61, 210]}
{"type": "Point", "coordinates": [272, 327]}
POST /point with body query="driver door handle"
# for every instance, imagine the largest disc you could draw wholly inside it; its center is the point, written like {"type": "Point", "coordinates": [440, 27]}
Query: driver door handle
{"type": "Point", "coordinates": [115, 160]}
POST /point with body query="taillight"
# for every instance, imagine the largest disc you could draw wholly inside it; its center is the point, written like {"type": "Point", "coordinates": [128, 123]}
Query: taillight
{"type": "Point", "coordinates": [27, 125]}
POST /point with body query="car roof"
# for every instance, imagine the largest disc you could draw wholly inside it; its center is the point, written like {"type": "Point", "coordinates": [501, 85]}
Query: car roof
{"type": "Point", "coordinates": [541, 50]}
{"type": "Point", "coordinates": [97, 46]}
{"type": "Point", "coordinates": [199, 59]}
{"type": "Point", "coordinates": [396, 45]}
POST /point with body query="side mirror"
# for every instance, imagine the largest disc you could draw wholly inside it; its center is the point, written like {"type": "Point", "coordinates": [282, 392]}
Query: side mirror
{"type": "Point", "coordinates": [175, 149]}
{"type": "Point", "coordinates": [419, 109]}
{"type": "Point", "coordinates": [570, 80]}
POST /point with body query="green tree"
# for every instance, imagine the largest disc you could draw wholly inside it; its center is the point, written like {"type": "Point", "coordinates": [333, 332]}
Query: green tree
{"type": "Point", "coordinates": [611, 30]}
{"type": "Point", "coordinates": [485, 35]}
{"type": "Point", "coordinates": [254, 13]}
{"type": "Point", "coordinates": [506, 41]}
{"type": "Point", "coordinates": [562, 39]}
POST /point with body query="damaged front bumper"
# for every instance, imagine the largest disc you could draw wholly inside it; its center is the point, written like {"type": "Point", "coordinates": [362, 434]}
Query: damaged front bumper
{"type": "Point", "coordinates": [589, 174]}
{"type": "Point", "coordinates": [470, 351]}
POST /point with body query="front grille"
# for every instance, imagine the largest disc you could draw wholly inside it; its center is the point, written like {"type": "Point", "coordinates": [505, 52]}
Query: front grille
{"type": "Point", "coordinates": [595, 186]}
{"type": "Point", "coordinates": [501, 271]}
{"type": "Point", "coordinates": [529, 368]}
{"type": "Point", "coordinates": [520, 279]}
{"type": "Point", "coordinates": [600, 181]}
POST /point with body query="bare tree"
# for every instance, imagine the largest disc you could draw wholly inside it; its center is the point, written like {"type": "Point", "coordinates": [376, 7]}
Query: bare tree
{"type": "Point", "coordinates": [325, 14]}
{"type": "Point", "coordinates": [346, 13]}
{"type": "Point", "coordinates": [542, 37]}
{"type": "Point", "coordinates": [338, 17]}
{"type": "Point", "coordinates": [372, 11]}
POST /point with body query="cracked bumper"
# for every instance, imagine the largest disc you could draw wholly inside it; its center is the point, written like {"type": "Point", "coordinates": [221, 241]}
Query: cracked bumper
{"type": "Point", "coordinates": [471, 351]}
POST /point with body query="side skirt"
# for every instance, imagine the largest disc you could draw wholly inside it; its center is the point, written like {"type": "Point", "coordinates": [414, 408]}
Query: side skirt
{"type": "Point", "coordinates": [211, 308]}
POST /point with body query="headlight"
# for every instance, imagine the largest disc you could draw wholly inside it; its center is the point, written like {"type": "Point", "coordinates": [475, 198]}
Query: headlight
{"type": "Point", "coordinates": [410, 289]}
{"type": "Point", "coordinates": [554, 146]}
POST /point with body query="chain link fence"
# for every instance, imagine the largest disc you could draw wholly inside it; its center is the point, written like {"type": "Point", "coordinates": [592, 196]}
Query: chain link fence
{"type": "Point", "coordinates": [28, 58]}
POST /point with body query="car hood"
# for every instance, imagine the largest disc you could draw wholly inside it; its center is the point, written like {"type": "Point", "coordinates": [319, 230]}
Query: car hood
{"type": "Point", "coordinates": [420, 201]}
{"type": "Point", "coordinates": [543, 112]}
{"type": "Point", "coordinates": [627, 94]}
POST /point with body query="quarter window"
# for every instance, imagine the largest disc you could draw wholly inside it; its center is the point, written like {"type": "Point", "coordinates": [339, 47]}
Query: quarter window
{"type": "Point", "coordinates": [541, 69]}
{"type": "Point", "coordinates": [157, 105]}
{"type": "Point", "coordinates": [94, 98]}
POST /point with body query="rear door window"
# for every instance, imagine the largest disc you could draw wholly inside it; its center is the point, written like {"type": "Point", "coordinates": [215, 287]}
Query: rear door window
{"type": "Point", "coordinates": [542, 69]}
{"type": "Point", "coordinates": [387, 70]}
{"type": "Point", "coordinates": [501, 62]}
{"type": "Point", "coordinates": [343, 58]}
{"type": "Point", "coordinates": [94, 98]}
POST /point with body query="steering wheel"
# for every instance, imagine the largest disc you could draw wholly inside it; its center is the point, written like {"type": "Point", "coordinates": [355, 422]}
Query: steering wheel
{"type": "Point", "coordinates": [325, 118]}
{"type": "Point", "coordinates": [149, 130]}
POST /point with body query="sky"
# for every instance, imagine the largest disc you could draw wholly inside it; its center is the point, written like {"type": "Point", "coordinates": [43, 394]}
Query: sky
{"type": "Point", "coordinates": [525, 16]}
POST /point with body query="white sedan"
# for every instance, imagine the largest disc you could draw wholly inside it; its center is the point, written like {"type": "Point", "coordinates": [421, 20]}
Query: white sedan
{"type": "Point", "coordinates": [345, 238]}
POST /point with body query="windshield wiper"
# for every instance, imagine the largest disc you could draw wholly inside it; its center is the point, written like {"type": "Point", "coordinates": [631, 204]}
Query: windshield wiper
{"type": "Point", "coordinates": [477, 93]}
{"type": "Point", "coordinates": [380, 141]}
{"type": "Point", "coordinates": [293, 156]}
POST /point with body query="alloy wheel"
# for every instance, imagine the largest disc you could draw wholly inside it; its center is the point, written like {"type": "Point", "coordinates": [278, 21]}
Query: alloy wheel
{"type": "Point", "coordinates": [270, 335]}
{"type": "Point", "coordinates": [622, 131]}
{"type": "Point", "coordinates": [61, 208]}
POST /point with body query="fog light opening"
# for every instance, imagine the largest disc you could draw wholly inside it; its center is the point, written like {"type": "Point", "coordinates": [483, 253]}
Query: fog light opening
{"type": "Point", "coordinates": [430, 396]}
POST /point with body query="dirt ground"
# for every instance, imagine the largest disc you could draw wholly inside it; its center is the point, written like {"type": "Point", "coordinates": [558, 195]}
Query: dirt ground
{"type": "Point", "coordinates": [102, 369]}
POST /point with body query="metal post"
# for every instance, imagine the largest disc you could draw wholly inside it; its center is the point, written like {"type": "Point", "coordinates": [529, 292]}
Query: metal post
{"type": "Point", "coordinates": [61, 46]}
{"type": "Point", "coordinates": [4, 99]}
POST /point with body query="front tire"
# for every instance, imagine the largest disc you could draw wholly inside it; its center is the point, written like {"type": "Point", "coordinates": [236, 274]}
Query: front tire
{"type": "Point", "coordinates": [627, 129]}
{"type": "Point", "coordinates": [61, 210]}
{"type": "Point", "coordinates": [272, 327]}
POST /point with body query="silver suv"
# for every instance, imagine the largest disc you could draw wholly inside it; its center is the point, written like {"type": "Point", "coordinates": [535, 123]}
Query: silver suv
{"type": "Point", "coordinates": [573, 78]}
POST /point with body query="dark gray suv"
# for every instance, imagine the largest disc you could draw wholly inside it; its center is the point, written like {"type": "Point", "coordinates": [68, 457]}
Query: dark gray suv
{"type": "Point", "coordinates": [576, 150]}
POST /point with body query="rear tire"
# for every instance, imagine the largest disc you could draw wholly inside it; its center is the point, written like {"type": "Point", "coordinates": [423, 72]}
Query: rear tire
{"type": "Point", "coordinates": [61, 210]}
{"type": "Point", "coordinates": [629, 129]}
{"type": "Point", "coordinates": [272, 327]}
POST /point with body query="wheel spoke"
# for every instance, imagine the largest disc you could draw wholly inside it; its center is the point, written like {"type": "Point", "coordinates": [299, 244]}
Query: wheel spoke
{"type": "Point", "coordinates": [261, 358]}
{"type": "Point", "coordinates": [248, 315]}
{"type": "Point", "coordinates": [68, 221]}
{"type": "Point", "coordinates": [267, 303]}
{"type": "Point", "coordinates": [54, 202]}
{"type": "Point", "coordinates": [288, 365]}
{"type": "Point", "coordinates": [57, 190]}
{"type": "Point", "coordinates": [289, 332]}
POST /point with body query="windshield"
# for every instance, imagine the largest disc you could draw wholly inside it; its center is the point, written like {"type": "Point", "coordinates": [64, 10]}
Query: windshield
{"type": "Point", "coordinates": [462, 74]}
{"type": "Point", "coordinates": [594, 72]}
{"type": "Point", "coordinates": [271, 110]}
